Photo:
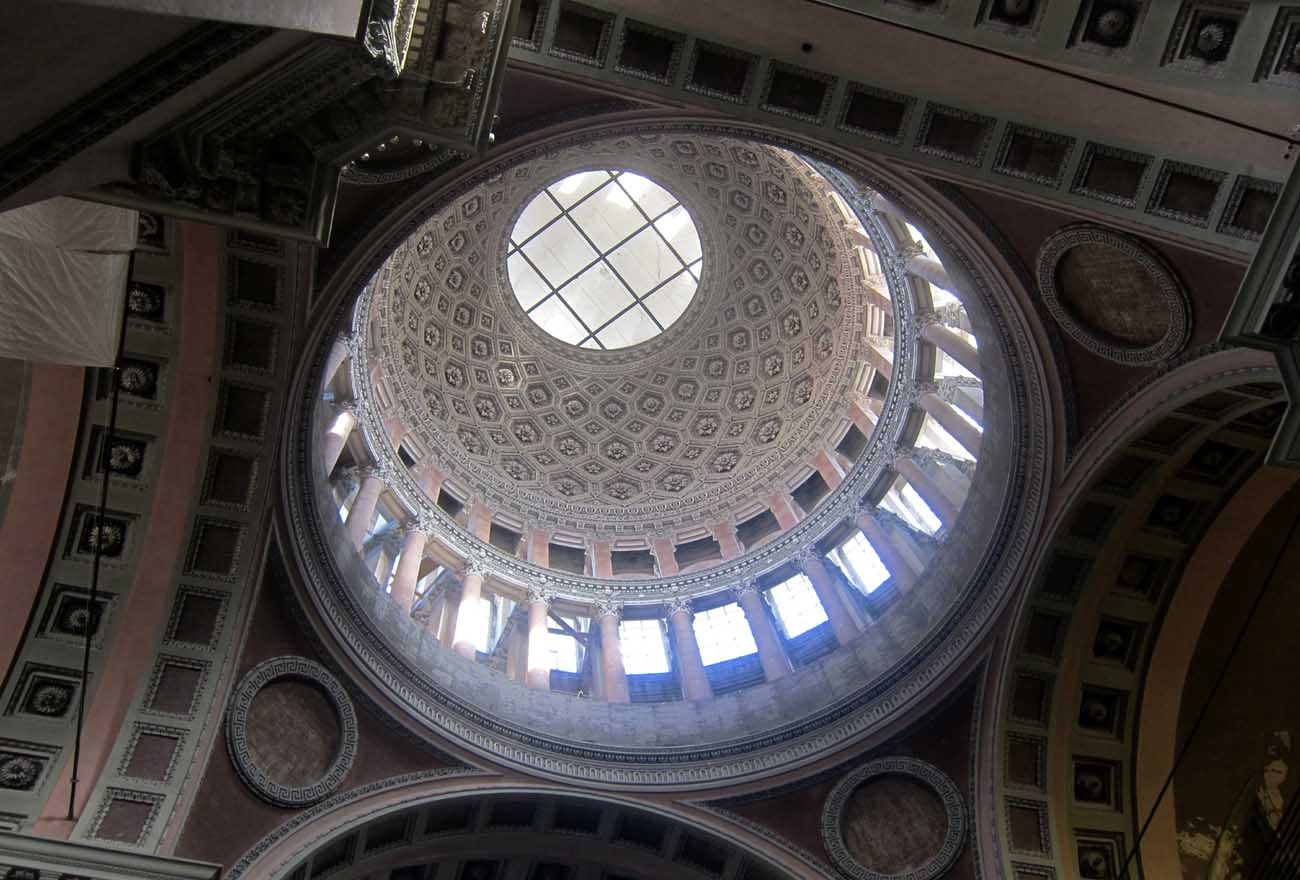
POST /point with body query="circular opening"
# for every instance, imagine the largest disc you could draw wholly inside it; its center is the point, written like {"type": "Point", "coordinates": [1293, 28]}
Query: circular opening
{"type": "Point", "coordinates": [604, 259]}
{"type": "Point", "coordinates": [293, 732]}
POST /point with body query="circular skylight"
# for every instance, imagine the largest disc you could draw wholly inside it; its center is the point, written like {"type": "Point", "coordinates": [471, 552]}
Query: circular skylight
{"type": "Point", "coordinates": [604, 259]}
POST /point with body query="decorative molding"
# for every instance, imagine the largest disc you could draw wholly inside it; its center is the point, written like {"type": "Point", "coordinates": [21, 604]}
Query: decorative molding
{"type": "Point", "coordinates": [832, 821]}
{"type": "Point", "coordinates": [301, 669]}
{"type": "Point", "coordinates": [1167, 287]}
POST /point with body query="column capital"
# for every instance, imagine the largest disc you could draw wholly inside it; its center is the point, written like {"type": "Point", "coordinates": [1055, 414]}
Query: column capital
{"type": "Point", "coordinates": [346, 406]}
{"type": "Point", "coordinates": [608, 606]}
{"type": "Point", "coordinates": [353, 343]}
{"type": "Point", "coordinates": [926, 455]}
{"type": "Point", "coordinates": [925, 318]}
{"type": "Point", "coordinates": [907, 250]}
{"type": "Point", "coordinates": [925, 386]}
{"type": "Point", "coordinates": [541, 593]}
{"type": "Point", "coordinates": [680, 605]}
{"type": "Point", "coordinates": [415, 525]}
{"type": "Point", "coordinates": [808, 553]}
{"type": "Point", "coordinates": [748, 586]}
{"type": "Point", "coordinates": [477, 563]}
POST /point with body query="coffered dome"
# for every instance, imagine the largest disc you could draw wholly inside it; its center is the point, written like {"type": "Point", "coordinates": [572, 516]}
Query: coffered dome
{"type": "Point", "coordinates": [687, 428]}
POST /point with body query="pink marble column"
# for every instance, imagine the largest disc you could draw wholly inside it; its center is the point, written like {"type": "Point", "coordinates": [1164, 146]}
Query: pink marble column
{"type": "Point", "coordinates": [611, 655]}
{"type": "Point", "coordinates": [602, 560]}
{"type": "Point", "coordinates": [928, 489]}
{"type": "Point", "coordinates": [430, 479]}
{"type": "Point", "coordinates": [943, 412]}
{"type": "Point", "coordinates": [863, 418]}
{"type": "Point", "coordinates": [947, 341]}
{"type": "Point", "coordinates": [770, 653]}
{"type": "Point", "coordinates": [665, 555]}
{"type": "Point", "coordinates": [843, 621]}
{"type": "Point", "coordinates": [467, 613]}
{"type": "Point", "coordinates": [395, 429]}
{"type": "Point", "coordinates": [783, 509]}
{"type": "Point", "coordinates": [362, 512]}
{"type": "Point", "coordinates": [480, 520]}
{"type": "Point", "coordinates": [539, 547]}
{"type": "Point", "coordinates": [695, 683]}
{"type": "Point", "coordinates": [538, 674]}
{"type": "Point", "coordinates": [408, 566]}
{"type": "Point", "coordinates": [336, 436]}
{"type": "Point", "coordinates": [828, 468]}
{"type": "Point", "coordinates": [902, 573]}
{"type": "Point", "coordinates": [728, 541]}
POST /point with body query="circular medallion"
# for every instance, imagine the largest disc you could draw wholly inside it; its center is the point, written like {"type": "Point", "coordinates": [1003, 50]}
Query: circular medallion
{"type": "Point", "coordinates": [604, 259]}
{"type": "Point", "coordinates": [894, 819]}
{"type": "Point", "coordinates": [1113, 295]}
{"type": "Point", "coordinates": [291, 731]}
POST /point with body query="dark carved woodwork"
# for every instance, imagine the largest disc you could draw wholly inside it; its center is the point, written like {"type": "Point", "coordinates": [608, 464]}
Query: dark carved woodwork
{"type": "Point", "coordinates": [421, 82]}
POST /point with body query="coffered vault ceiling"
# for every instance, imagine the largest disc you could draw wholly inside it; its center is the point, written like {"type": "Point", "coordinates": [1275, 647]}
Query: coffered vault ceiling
{"type": "Point", "coordinates": [676, 432]}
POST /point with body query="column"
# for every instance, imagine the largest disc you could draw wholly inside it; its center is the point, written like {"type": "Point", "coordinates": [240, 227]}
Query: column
{"type": "Point", "coordinates": [336, 437]}
{"type": "Point", "coordinates": [829, 469]}
{"type": "Point", "coordinates": [929, 269]}
{"type": "Point", "coordinates": [408, 565]}
{"type": "Point", "coordinates": [864, 418]}
{"type": "Point", "coordinates": [728, 541]}
{"type": "Point", "coordinates": [941, 504]}
{"type": "Point", "coordinates": [611, 655]}
{"type": "Point", "coordinates": [395, 428]}
{"type": "Point", "coordinates": [961, 430]}
{"type": "Point", "coordinates": [666, 555]}
{"type": "Point", "coordinates": [900, 571]}
{"type": "Point", "coordinates": [602, 560]}
{"type": "Point", "coordinates": [960, 392]}
{"type": "Point", "coordinates": [947, 340]}
{"type": "Point", "coordinates": [430, 479]}
{"type": "Point", "coordinates": [538, 674]}
{"type": "Point", "coordinates": [770, 652]}
{"type": "Point", "coordinates": [362, 512]}
{"type": "Point", "coordinates": [479, 523]}
{"type": "Point", "coordinates": [467, 613]}
{"type": "Point", "coordinates": [783, 509]}
{"type": "Point", "coordinates": [538, 546]}
{"type": "Point", "coordinates": [695, 683]}
{"type": "Point", "coordinates": [842, 620]}
{"type": "Point", "coordinates": [338, 353]}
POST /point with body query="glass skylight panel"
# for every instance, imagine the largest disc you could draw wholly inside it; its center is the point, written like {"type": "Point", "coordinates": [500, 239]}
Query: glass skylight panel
{"type": "Point", "coordinates": [598, 249]}
{"type": "Point", "coordinates": [559, 252]}
{"type": "Point", "coordinates": [608, 218]}
{"type": "Point", "coordinates": [652, 198]}
{"type": "Point", "coordinates": [645, 261]}
{"type": "Point", "coordinates": [723, 633]}
{"type": "Point", "coordinates": [861, 563]}
{"type": "Point", "coordinates": [679, 230]}
{"type": "Point", "coordinates": [554, 317]}
{"type": "Point", "coordinates": [537, 214]}
{"type": "Point", "coordinates": [668, 302]}
{"type": "Point", "coordinates": [596, 296]}
{"type": "Point", "coordinates": [572, 189]}
{"type": "Point", "coordinates": [643, 646]}
{"type": "Point", "coordinates": [529, 287]}
{"type": "Point", "coordinates": [796, 605]}
{"type": "Point", "coordinates": [632, 327]}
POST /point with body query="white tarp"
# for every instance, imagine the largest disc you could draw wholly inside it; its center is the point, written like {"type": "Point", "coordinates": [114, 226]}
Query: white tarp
{"type": "Point", "coordinates": [63, 276]}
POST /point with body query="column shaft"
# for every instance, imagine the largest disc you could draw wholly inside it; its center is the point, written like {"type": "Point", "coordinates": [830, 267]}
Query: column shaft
{"type": "Point", "coordinates": [695, 682]}
{"type": "Point", "coordinates": [408, 569]}
{"type": "Point", "coordinates": [539, 667]}
{"type": "Point", "coordinates": [770, 652]}
{"type": "Point", "coordinates": [951, 344]}
{"type": "Point", "coordinates": [362, 512]}
{"type": "Point", "coordinates": [931, 270]}
{"type": "Point", "coordinates": [336, 437]}
{"type": "Point", "coordinates": [783, 509]}
{"type": "Point", "coordinates": [841, 618]}
{"type": "Point", "coordinates": [882, 541]}
{"type": "Point", "coordinates": [467, 615]}
{"type": "Point", "coordinates": [611, 660]}
{"type": "Point", "coordinates": [928, 489]}
{"type": "Point", "coordinates": [961, 430]}
{"type": "Point", "coordinates": [338, 353]}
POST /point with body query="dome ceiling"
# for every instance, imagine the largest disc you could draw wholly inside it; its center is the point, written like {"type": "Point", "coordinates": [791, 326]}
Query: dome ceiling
{"type": "Point", "coordinates": [680, 431]}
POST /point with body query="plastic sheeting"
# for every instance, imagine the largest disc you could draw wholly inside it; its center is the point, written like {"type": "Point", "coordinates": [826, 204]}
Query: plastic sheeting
{"type": "Point", "coordinates": [63, 276]}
